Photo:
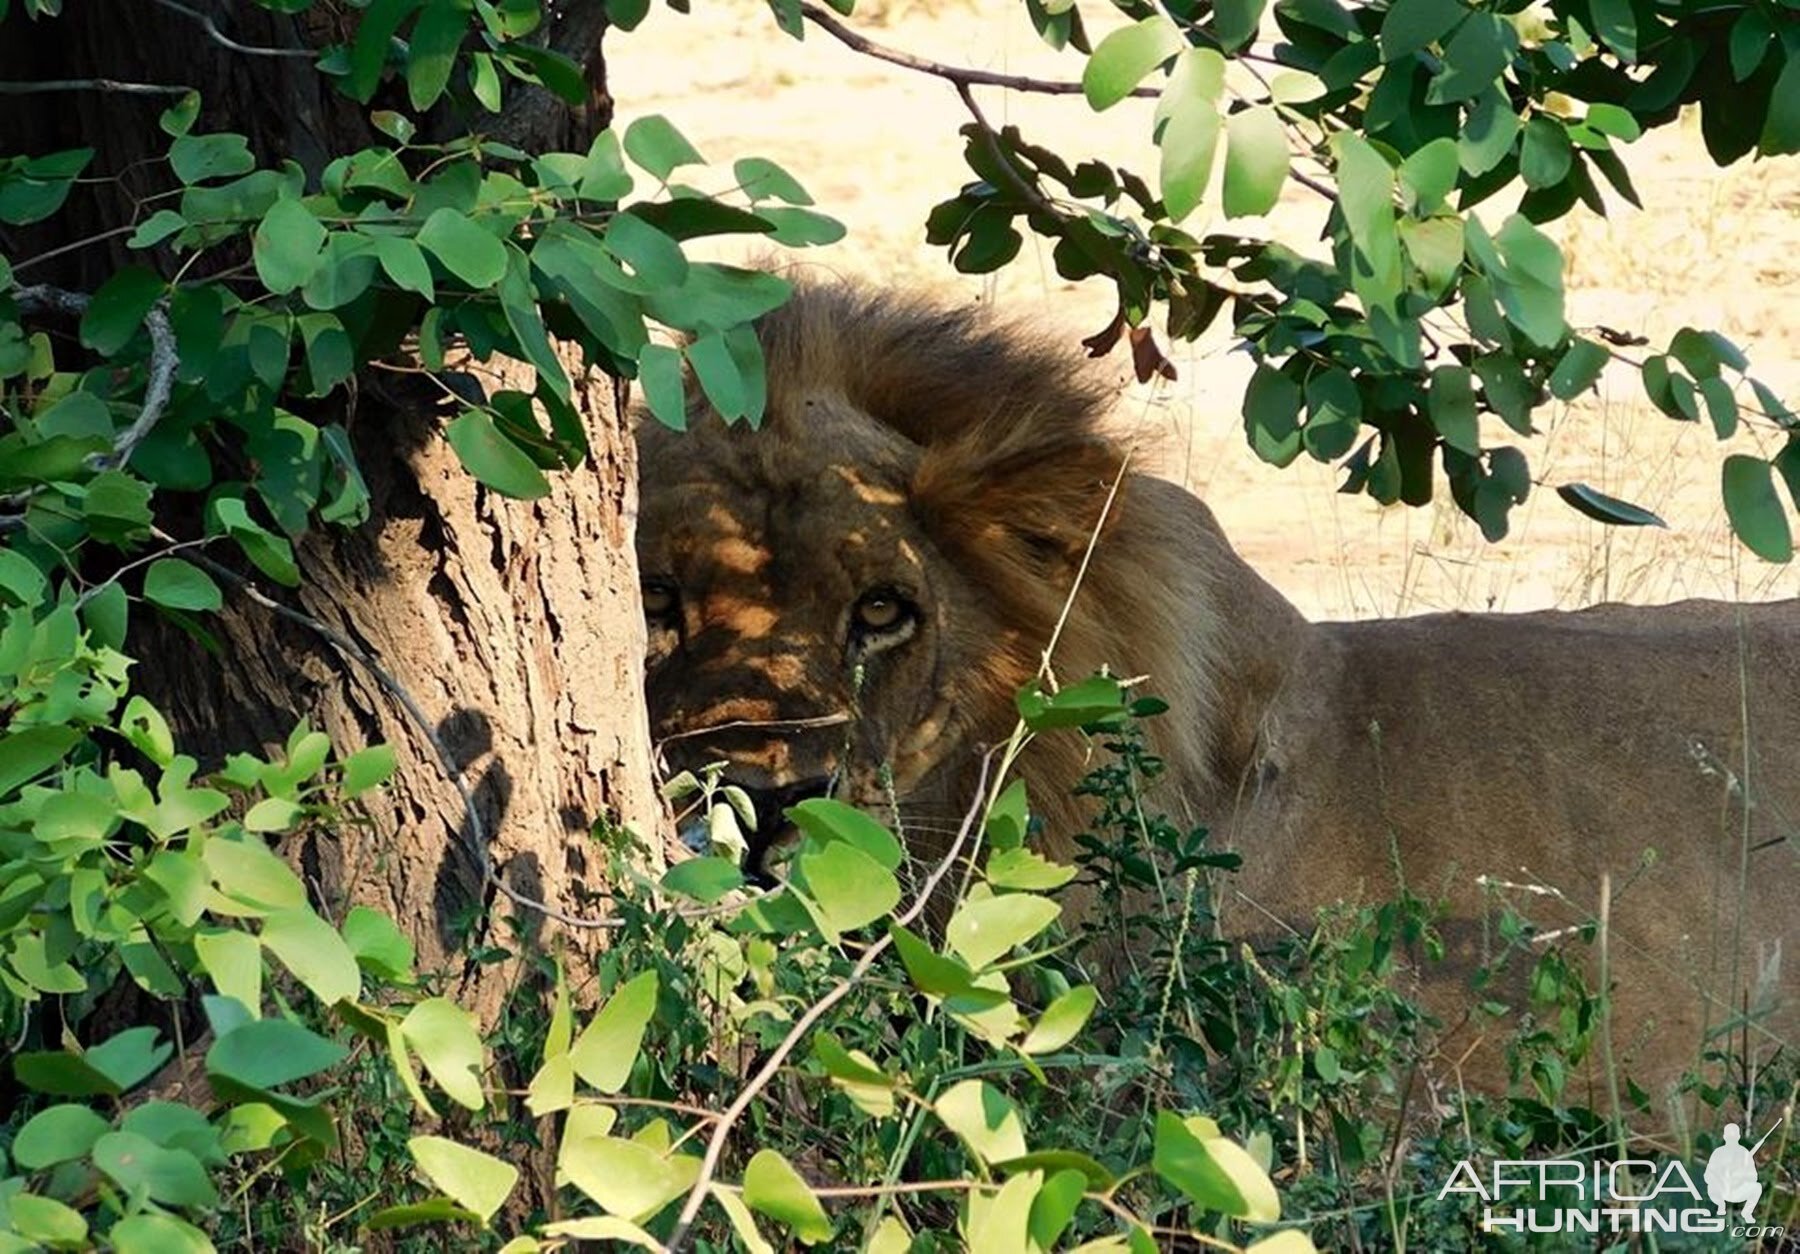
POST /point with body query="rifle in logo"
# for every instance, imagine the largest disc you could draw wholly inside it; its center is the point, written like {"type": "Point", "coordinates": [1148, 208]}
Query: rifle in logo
{"type": "Point", "coordinates": [1731, 1173]}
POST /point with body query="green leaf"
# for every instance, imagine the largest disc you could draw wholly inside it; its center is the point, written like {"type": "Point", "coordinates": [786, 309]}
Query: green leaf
{"type": "Point", "coordinates": [431, 53]}
{"type": "Point", "coordinates": [851, 888]}
{"type": "Point", "coordinates": [556, 72]}
{"type": "Point", "coordinates": [718, 375]}
{"type": "Point", "coordinates": [374, 37]}
{"type": "Point", "coordinates": [519, 305]}
{"type": "Point", "coordinates": [313, 951]}
{"type": "Point", "coordinates": [1020, 868]}
{"type": "Point", "coordinates": [1428, 176]}
{"type": "Point", "coordinates": [157, 1234]}
{"type": "Point", "coordinates": [118, 309]}
{"type": "Point", "coordinates": [24, 755]}
{"type": "Point", "coordinates": [984, 928]}
{"type": "Point", "coordinates": [61, 1074]}
{"type": "Point", "coordinates": [288, 246]}
{"type": "Point", "coordinates": [196, 158]}
{"type": "Point", "coordinates": [1489, 134]}
{"type": "Point", "coordinates": [1122, 59]}
{"type": "Point", "coordinates": [272, 554]}
{"type": "Point", "coordinates": [773, 1187]}
{"type": "Point", "coordinates": [178, 118]}
{"type": "Point", "coordinates": [246, 871]}
{"type": "Point", "coordinates": [1578, 370]}
{"type": "Point", "coordinates": [829, 819]}
{"type": "Point", "coordinates": [445, 1037]}
{"type": "Point", "coordinates": [1214, 1172]}
{"type": "Point", "coordinates": [1410, 25]}
{"type": "Point", "coordinates": [1615, 22]}
{"type": "Point", "coordinates": [1061, 1021]}
{"type": "Point", "coordinates": [158, 227]}
{"type": "Point", "coordinates": [405, 264]}
{"type": "Point", "coordinates": [59, 1134]}
{"type": "Point", "coordinates": [472, 254]}
{"type": "Point", "coordinates": [1721, 406]}
{"type": "Point", "coordinates": [933, 973]}
{"type": "Point", "coordinates": [607, 1048]}
{"type": "Point", "coordinates": [368, 768]}
{"type": "Point", "coordinates": [180, 585]}
{"type": "Point", "coordinates": [1093, 700]}
{"type": "Point", "coordinates": [984, 1119]}
{"type": "Point", "coordinates": [1754, 508]}
{"type": "Point", "coordinates": [273, 814]}
{"type": "Point", "coordinates": [1781, 128]}
{"type": "Point", "coordinates": [1476, 55]}
{"type": "Point", "coordinates": [1546, 155]}
{"type": "Point", "coordinates": [268, 1053]}
{"type": "Point", "coordinates": [626, 1178]}
{"type": "Point", "coordinates": [234, 961]}
{"type": "Point", "coordinates": [476, 1181]}
{"type": "Point", "coordinates": [1611, 119]}
{"type": "Point", "coordinates": [652, 256]}
{"type": "Point", "coordinates": [34, 192]}
{"type": "Point", "coordinates": [1607, 509]}
{"type": "Point", "coordinates": [171, 1176]}
{"type": "Point", "coordinates": [1453, 408]}
{"type": "Point", "coordinates": [1271, 415]}
{"type": "Point", "coordinates": [703, 879]}
{"type": "Point", "coordinates": [130, 1057]}
{"type": "Point", "coordinates": [660, 378]}
{"type": "Point", "coordinates": [1235, 22]}
{"type": "Point", "coordinates": [1256, 161]}
{"type": "Point", "coordinates": [377, 944]}
{"type": "Point", "coordinates": [1055, 1205]}
{"type": "Point", "coordinates": [657, 147]}
{"type": "Point", "coordinates": [494, 459]}
{"type": "Point", "coordinates": [761, 179]}
{"type": "Point", "coordinates": [1189, 136]}
{"type": "Point", "coordinates": [47, 1221]}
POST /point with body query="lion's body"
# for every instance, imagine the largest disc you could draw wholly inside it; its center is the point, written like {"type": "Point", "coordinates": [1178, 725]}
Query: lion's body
{"type": "Point", "coordinates": [958, 468]}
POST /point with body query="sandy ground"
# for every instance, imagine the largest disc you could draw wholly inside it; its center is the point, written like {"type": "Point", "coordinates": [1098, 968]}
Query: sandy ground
{"type": "Point", "coordinates": [877, 146]}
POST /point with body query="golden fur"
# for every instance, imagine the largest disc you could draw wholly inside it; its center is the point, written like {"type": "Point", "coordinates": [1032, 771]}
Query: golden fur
{"type": "Point", "coordinates": [933, 454]}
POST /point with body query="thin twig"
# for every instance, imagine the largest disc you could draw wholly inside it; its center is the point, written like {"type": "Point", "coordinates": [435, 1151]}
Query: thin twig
{"type": "Point", "coordinates": [164, 361]}
{"type": "Point", "coordinates": [92, 84]}
{"type": "Point", "coordinates": [961, 75]}
{"type": "Point", "coordinates": [715, 1146]}
{"type": "Point", "coordinates": [222, 39]}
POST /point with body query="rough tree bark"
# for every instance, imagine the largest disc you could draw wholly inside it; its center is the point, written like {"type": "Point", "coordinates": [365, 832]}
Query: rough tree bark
{"type": "Point", "coordinates": [514, 625]}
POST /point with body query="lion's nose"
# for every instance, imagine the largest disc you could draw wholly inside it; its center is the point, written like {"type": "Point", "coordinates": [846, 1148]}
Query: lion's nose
{"type": "Point", "coordinates": [771, 823]}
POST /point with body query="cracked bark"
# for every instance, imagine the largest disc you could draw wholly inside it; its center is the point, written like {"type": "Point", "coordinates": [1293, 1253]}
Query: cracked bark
{"type": "Point", "coordinates": [514, 624]}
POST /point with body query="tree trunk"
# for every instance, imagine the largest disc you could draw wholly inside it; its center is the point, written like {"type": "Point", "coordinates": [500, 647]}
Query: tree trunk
{"type": "Point", "coordinates": [513, 626]}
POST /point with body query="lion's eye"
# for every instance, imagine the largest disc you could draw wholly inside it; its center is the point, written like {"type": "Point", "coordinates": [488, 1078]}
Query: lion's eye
{"type": "Point", "coordinates": [882, 610]}
{"type": "Point", "coordinates": [660, 599]}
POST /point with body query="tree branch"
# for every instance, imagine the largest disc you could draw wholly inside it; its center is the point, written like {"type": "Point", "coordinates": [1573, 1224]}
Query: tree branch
{"type": "Point", "coordinates": [963, 76]}
{"type": "Point", "coordinates": [91, 84]}
{"type": "Point", "coordinates": [226, 41]}
{"type": "Point", "coordinates": [164, 361]}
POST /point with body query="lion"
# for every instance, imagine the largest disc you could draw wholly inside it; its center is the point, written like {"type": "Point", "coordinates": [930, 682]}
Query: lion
{"type": "Point", "coordinates": [847, 600]}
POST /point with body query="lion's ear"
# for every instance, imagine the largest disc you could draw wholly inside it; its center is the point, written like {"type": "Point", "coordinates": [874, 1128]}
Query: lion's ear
{"type": "Point", "coordinates": [1034, 509]}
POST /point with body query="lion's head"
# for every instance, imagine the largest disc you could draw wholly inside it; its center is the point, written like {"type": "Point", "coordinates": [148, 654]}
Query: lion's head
{"type": "Point", "coordinates": [847, 599]}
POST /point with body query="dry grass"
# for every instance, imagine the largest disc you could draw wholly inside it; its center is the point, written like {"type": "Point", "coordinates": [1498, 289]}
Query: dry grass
{"type": "Point", "coordinates": [878, 146]}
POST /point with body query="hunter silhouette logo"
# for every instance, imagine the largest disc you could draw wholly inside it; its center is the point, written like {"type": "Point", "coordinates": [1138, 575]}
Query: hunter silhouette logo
{"type": "Point", "coordinates": [1626, 1196]}
{"type": "Point", "coordinates": [1731, 1173]}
